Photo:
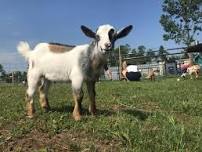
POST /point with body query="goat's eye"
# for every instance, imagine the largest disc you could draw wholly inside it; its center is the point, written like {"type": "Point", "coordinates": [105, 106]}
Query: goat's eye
{"type": "Point", "coordinates": [97, 37]}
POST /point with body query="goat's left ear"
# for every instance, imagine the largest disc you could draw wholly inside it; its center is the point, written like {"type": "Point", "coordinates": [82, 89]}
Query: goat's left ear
{"type": "Point", "coordinates": [88, 32]}
{"type": "Point", "coordinates": [124, 32]}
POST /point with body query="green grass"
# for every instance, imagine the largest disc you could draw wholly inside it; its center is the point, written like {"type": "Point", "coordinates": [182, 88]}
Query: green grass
{"type": "Point", "coordinates": [165, 115]}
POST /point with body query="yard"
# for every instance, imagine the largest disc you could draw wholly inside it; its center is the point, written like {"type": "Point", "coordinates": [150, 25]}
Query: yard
{"type": "Point", "coordinates": [165, 115]}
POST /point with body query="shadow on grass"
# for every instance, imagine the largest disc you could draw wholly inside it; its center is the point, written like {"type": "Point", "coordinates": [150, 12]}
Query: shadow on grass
{"type": "Point", "coordinates": [69, 109]}
{"type": "Point", "coordinates": [139, 114]}
{"type": "Point", "coordinates": [63, 109]}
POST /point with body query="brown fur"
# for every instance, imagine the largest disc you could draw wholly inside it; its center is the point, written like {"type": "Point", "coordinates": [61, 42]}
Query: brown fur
{"type": "Point", "coordinates": [43, 101]}
{"type": "Point", "coordinates": [194, 69]}
{"type": "Point", "coordinates": [151, 75]}
{"type": "Point", "coordinates": [30, 107]}
{"type": "Point", "coordinates": [43, 91]}
{"type": "Point", "coordinates": [78, 96]}
{"type": "Point", "coordinates": [58, 48]}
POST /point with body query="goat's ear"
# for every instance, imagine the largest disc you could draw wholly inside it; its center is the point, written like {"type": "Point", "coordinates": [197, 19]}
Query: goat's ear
{"type": "Point", "coordinates": [124, 32]}
{"type": "Point", "coordinates": [88, 32]}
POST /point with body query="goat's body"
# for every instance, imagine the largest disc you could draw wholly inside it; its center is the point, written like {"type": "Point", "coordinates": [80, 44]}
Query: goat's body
{"type": "Point", "coordinates": [79, 64]}
{"type": "Point", "coordinates": [57, 62]}
{"type": "Point", "coordinates": [62, 66]}
{"type": "Point", "coordinates": [194, 69]}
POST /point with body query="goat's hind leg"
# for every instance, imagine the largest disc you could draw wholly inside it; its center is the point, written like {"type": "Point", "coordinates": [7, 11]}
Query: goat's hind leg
{"type": "Point", "coordinates": [43, 94]}
{"type": "Point", "coordinates": [32, 85]}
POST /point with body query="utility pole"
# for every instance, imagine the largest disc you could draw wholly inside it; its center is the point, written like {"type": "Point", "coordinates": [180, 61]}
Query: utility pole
{"type": "Point", "coordinates": [120, 63]}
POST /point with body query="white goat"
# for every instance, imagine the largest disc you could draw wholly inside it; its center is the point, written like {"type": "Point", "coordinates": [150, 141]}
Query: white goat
{"type": "Point", "coordinates": [58, 62]}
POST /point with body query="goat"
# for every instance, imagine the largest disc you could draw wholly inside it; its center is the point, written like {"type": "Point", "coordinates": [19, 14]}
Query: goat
{"type": "Point", "coordinates": [194, 69]}
{"type": "Point", "coordinates": [58, 62]}
{"type": "Point", "coordinates": [151, 75]}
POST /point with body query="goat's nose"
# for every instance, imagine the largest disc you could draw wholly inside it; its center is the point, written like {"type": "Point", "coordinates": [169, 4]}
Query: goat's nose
{"type": "Point", "coordinates": [108, 45]}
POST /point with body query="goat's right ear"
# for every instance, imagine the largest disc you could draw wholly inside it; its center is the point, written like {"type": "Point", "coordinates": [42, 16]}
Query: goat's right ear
{"type": "Point", "coordinates": [88, 32]}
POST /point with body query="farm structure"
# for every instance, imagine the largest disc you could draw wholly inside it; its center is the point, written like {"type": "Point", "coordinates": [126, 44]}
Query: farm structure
{"type": "Point", "coordinates": [164, 67]}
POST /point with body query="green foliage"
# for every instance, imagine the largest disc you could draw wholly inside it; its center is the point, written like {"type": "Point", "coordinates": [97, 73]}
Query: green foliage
{"type": "Point", "coordinates": [181, 20]}
{"type": "Point", "coordinates": [162, 53]}
{"type": "Point", "coordinates": [150, 55]}
{"type": "Point", "coordinates": [141, 50]}
{"type": "Point", "coordinates": [2, 72]}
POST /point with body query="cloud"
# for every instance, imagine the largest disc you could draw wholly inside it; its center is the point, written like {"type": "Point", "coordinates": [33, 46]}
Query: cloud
{"type": "Point", "coordinates": [12, 61]}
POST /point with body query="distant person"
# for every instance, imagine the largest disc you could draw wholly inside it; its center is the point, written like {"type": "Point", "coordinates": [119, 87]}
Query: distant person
{"type": "Point", "coordinates": [131, 72]}
{"type": "Point", "coordinates": [183, 68]}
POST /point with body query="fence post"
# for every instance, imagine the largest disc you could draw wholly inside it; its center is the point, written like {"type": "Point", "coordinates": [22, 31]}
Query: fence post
{"type": "Point", "coordinates": [120, 63]}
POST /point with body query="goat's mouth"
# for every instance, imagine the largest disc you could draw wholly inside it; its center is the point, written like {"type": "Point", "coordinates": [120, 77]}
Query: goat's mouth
{"type": "Point", "coordinates": [105, 50]}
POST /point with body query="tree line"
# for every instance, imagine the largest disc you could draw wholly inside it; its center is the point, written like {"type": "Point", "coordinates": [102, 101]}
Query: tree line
{"type": "Point", "coordinates": [10, 77]}
{"type": "Point", "coordinates": [141, 55]}
{"type": "Point", "coordinates": [181, 21]}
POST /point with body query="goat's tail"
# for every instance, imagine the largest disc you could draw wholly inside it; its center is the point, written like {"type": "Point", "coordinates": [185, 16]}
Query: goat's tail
{"type": "Point", "coordinates": [24, 49]}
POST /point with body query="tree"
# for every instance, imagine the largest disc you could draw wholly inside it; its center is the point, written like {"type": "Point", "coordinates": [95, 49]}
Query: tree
{"type": "Point", "coordinates": [132, 53]}
{"type": "Point", "coordinates": [2, 72]}
{"type": "Point", "coordinates": [141, 50]}
{"type": "Point", "coordinates": [150, 55]}
{"type": "Point", "coordinates": [162, 53]}
{"type": "Point", "coordinates": [181, 20]}
{"type": "Point", "coordinates": [114, 55]}
{"type": "Point", "coordinates": [1, 68]}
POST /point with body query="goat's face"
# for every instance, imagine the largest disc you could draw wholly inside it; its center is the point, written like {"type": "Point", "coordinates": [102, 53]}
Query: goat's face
{"type": "Point", "coordinates": [106, 35]}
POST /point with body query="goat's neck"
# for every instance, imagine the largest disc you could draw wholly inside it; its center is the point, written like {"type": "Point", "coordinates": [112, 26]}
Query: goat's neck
{"type": "Point", "coordinates": [97, 59]}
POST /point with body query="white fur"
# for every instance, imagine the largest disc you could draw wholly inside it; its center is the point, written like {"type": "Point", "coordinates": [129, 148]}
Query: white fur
{"type": "Point", "coordinates": [61, 66]}
{"type": "Point", "coordinates": [83, 62]}
{"type": "Point", "coordinates": [103, 34]}
{"type": "Point", "coordinates": [53, 66]}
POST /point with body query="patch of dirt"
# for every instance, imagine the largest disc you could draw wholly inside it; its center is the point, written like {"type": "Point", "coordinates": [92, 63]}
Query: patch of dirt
{"type": "Point", "coordinates": [64, 141]}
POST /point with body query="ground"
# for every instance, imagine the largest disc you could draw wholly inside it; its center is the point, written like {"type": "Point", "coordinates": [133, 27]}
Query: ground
{"type": "Point", "coordinates": [165, 115]}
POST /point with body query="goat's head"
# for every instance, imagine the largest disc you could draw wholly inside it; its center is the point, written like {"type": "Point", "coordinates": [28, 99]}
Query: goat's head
{"type": "Point", "coordinates": [106, 35]}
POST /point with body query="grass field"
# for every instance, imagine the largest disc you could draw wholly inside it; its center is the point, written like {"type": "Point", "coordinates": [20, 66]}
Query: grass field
{"type": "Point", "coordinates": [165, 115]}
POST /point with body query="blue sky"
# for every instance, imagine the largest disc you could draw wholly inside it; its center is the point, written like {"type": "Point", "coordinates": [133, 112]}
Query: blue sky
{"type": "Point", "coordinates": [60, 20]}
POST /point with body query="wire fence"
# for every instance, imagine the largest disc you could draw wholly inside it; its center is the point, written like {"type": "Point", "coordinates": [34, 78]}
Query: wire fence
{"type": "Point", "coordinates": [13, 62]}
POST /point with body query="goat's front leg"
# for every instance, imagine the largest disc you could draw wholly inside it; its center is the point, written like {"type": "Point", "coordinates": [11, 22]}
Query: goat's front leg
{"type": "Point", "coordinates": [78, 96]}
{"type": "Point", "coordinates": [91, 93]}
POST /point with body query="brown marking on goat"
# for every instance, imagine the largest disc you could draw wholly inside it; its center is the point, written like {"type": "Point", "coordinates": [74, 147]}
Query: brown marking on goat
{"type": "Point", "coordinates": [43, 99]}
{"type": "Point", "coordinates": [59, 48]}
{"type": "Point", "coordinates": [30, 107]}
{"type": "Point", "coordinates": [194, 69]}
{"type": "Point", "coordinates": [78, 96]}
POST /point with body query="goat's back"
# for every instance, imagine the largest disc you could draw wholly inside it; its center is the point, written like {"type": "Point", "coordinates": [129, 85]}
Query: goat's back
{"type": "Point", "coordinates": [56, 66]}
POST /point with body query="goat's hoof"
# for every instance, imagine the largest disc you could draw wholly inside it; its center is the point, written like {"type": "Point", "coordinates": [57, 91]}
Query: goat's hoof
{"type": "Point", "coordinates": [30, 113]}
{"type": "Point", "coordinates": [77, 117]}
{"type": "Point", "coordinates": [30, 116]}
